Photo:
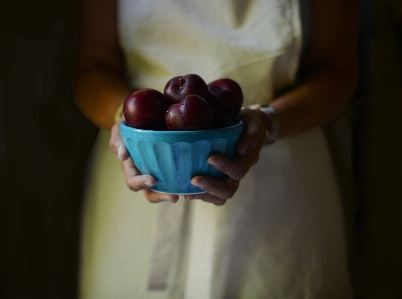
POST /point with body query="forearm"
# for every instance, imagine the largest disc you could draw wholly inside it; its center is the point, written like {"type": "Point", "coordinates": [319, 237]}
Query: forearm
{"type": "Point", "coordinates": [331, 67]}
{"type": "Point", "coordinates": [315, 101]}
{"type": "Point", "coordinates": [99, 93]}
{"type": "Point", "coordinates": [99, 83]}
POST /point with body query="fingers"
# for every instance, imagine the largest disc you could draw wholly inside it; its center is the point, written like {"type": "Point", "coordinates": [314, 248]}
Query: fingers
{"type": "Point", "coordinates": [116, 143]}
{"type": "Point", "coordinates": [134, 179]}
{"type": "Point", "coordinates": [137, 181]}
{"type": "Point", "coordinates": [235, 169]}
{"type": "Point", "coordinates": [155, 197]}
{"type": "Point", "coordinates": [218, 191]}
{"type": "Point", "coordinates": [255, 131]}
{"type": "Point", "coordinates": [207, 198]}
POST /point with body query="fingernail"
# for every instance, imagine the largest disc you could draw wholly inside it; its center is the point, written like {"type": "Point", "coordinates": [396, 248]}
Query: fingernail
{"type": "Point", "coordinates": [174, 200]}
{"type": "Point", "coordinates": [120, 151]}
{"type": "Point", "coordinates": [198, 183]}
{"type": "Point", "coordinates": [213, 162]}
{"type": "Point", "coordinates": [148, 183]}
{"type": "Point", "coordinates": [242, 147]}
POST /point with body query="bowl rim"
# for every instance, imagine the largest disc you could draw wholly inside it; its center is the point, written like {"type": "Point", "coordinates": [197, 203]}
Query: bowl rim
{"type": "Point", "coordinates": [124, 125]}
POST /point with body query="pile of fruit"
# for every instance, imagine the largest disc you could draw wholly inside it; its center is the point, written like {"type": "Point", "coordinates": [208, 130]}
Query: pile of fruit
{"type": "Point", "coordinates": [187, 103]}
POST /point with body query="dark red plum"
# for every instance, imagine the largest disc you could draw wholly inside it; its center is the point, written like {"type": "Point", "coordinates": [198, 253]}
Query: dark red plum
{"type": "Point", "coordinates": [179, 87]}
{"type": "Point", "coordinates": [192, 113]}
{"type": "Point", "coordinates": [226, 95]}
{"type": "Point", "coordinates": [145, 109]}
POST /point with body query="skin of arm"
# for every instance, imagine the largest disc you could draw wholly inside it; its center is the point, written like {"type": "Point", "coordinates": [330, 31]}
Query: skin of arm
{"type": "Point", "coordinates": [100, 88]}
{"type": "Point", "coordinates": [331, 65]}
{"type": "Point", "coordinates": [100, 85]}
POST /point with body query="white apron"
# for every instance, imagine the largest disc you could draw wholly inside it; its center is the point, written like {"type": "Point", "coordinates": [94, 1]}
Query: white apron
{"type": "Point", "coordinates": [280, 236]}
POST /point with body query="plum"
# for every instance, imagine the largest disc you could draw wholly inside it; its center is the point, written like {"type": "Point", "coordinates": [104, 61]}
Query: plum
{"type": "Point", "coordinates": [145, 109]}
{"type": "Point", "coordinates": [226, 95]}
{"type": "Point", "coordinates": [179, 87]}
{"type": "Point", "coordinates": [191, 113]}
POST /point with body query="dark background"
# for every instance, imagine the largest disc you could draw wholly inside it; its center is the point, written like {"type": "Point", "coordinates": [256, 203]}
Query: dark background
{"type": "Point", "coordinates": [45, 142]}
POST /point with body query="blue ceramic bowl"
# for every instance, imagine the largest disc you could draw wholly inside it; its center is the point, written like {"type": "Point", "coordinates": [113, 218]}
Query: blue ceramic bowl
{"type": "Point", "coordinates": [174, 157]}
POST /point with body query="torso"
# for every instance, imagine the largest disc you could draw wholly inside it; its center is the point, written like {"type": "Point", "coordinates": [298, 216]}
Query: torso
{"type": "Point", "coordinates": [281, 235]}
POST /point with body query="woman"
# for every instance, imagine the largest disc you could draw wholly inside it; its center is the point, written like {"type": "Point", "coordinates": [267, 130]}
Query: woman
{"type": "Point", "coordinates": [279, 230]}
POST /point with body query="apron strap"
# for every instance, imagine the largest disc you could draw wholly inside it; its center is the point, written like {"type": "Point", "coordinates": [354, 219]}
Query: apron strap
{"type": "Point", "coordinates": [171, 232]}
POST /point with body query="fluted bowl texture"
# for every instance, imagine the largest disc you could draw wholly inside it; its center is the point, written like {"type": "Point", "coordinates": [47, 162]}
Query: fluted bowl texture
{"type": "Point", "coordinates": [174, 157]}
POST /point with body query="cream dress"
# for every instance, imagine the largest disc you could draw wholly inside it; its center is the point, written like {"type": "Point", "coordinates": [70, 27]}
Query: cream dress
{"type": "Point", "coordinates": [280, 236]}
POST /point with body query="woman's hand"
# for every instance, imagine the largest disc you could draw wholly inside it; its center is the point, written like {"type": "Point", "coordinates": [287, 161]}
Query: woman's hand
{"type": "Point", "coordinates": [247, 148]}
{"type": "Point", "coordinates": [134, 179]}
{"type": "Point", "coordinates": [218, 191]}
